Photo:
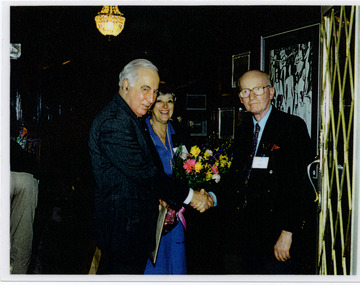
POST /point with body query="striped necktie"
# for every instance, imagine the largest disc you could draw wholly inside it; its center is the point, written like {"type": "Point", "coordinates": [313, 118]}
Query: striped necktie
{"type": "Point", "coordinates": [250, 159]}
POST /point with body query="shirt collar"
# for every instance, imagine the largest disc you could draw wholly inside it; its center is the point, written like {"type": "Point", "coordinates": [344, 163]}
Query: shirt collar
{"type": "Point", "coordinates": [170, 127]}
{"type": "Point", "coordinates": [263, 121]}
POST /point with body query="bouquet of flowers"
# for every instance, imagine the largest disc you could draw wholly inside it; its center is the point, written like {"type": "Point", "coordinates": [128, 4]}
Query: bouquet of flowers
{"type": "Point", "coordinates": [202, 166]}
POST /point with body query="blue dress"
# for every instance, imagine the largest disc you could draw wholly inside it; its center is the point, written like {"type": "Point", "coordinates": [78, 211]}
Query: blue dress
{"type": "Point", "coordinates": [171, 257]}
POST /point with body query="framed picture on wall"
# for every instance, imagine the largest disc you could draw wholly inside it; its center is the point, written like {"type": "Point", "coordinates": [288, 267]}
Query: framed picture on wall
{"type": "Point", "coordinates": [240, 64]}
{"type": "Point", "coordinates": [292, 60]}
{"type": "Point", "coordinates": [226, 122]}
{"type": "Point", "coordinates": [197, 127]}
{"type": "Point", "coordinates": [195, 101]}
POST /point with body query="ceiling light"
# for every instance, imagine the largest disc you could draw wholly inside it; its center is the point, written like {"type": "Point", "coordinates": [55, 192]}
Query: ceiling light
{"type": "Point", "coordinates": [110, 21]}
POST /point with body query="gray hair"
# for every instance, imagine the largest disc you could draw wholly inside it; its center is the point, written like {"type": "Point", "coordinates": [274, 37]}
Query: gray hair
{"type": "Point", "coordinates": [130, 70]}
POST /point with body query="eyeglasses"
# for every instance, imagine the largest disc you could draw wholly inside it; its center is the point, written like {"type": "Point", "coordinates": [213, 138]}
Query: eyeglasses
{"type": "Point", "coordinates": [258, 91]}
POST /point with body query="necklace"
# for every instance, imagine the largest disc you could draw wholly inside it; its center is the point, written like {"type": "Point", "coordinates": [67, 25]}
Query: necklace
{"type": "Point", "coordinates": [161, 137]}
{"type": "Point", "coordinates": [163, 141]}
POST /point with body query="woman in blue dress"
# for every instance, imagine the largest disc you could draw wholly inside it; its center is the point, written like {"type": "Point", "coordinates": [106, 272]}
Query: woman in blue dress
{"type": "Point", "coordinates": [171, 257]}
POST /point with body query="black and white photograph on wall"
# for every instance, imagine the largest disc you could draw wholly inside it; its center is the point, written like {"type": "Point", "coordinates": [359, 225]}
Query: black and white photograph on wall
{"type": "Point", "coordinates": [292, 61]}
{"type": "Point", "coordinates": [290, 71]}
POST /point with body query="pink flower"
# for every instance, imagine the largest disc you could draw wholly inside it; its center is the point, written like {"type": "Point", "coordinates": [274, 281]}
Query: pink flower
{"type": "Point", "coordinates": [189, 165]}
{"type": "Point", "coordinates": [214, 169]}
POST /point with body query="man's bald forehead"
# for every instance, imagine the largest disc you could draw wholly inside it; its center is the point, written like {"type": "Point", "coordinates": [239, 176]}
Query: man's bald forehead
{"type": "Point", "coordinates": [255, 73]}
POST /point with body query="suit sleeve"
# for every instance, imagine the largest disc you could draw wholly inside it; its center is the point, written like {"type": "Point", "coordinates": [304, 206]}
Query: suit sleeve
{"type": "Point", "coordinates": [293, 185]}
{"type": "Point", "coordinates": [125, 147]}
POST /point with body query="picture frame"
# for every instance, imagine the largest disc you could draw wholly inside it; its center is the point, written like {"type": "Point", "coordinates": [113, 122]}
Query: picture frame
{"type": "Point", "coordinates": [197, 127]}
{"type": "Point", "coordinates": [196, 102]}
{"type": "Point", "coordinates": [240, 63]}
{"type": "Point", "coordinates": [292, 59]}
{"type": "Point", "coordinates": [226, 126]}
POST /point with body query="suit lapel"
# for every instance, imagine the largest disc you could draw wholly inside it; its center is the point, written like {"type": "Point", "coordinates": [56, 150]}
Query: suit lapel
{"type": "Point", "coordinates": [150, 144]}
{"type": "Point", "coordinates": [141, 124]}
{"type": "Point", "coordinates": [269, 135]}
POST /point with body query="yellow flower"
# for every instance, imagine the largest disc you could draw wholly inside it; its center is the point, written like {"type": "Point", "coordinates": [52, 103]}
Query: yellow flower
{"type": "Point", "coordinates": [208, 175]}
{"type": "Point", "coordinates": [223, 160]}
{"type": "Point", "coordinates": [206, 155]}
{"type": "Point", "coordinates": [223, 163]}
{"type": "Point", "coordinates": [222, 157]}
{"type": "Point", "coordinates": [198, 167]}
{"type": "Point", "coordinates": [229, 164]}
{"type": "Point", "coordinates": [195, 151]}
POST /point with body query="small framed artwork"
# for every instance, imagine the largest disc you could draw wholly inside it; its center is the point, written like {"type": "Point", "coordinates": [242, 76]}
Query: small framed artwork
{"type": "Point", "coordinates": [240, 64]}
{"type": "Point", "coordinates": [15, 51]}
{"type": "Point", "coordinates": [226, 122]}
{"type": "Point", "coordinates": [195, 101]}
{"type": "Point", "coordinates": [292, 60]}
{"type": "Point", "coordinates": [197, 127]}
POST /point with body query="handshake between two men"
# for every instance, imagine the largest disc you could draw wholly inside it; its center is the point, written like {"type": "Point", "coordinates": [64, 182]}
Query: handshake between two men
{"type": "Point", "coordinates": [200, 201]}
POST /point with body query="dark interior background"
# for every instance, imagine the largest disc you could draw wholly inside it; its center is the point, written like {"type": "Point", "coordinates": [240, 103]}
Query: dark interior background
{"type": "Point", "coordinates": [192, 47]}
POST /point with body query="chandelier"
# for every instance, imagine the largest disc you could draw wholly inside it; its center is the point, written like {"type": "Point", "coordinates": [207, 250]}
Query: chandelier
{"type": "Point", "coordinates": [110, 21]}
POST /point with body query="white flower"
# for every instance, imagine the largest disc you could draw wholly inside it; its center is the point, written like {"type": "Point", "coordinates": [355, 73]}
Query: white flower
{"type": "Point", "coordinates": [209, 152]}
{"type": "Point", "coordinates": [216, 177]}
{"type": "Point", "coordinates": [183, 155]}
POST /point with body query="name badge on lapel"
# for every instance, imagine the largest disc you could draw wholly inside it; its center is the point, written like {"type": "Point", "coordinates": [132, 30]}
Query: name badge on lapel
{"type": "Point", "coordinates": [260, 162]}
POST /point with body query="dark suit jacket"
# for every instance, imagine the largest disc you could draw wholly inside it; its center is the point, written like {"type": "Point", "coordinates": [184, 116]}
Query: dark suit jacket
{"type": "Point", "coordinates": [276, 195]}
{"type": "Point", "coordinates": [129, 179]}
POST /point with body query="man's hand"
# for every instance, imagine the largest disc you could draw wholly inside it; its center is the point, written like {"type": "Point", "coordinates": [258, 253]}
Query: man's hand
{"type": "Point", "coordinates": [201, 201]}
{"type": "Point", "coordinates": [282, 246]}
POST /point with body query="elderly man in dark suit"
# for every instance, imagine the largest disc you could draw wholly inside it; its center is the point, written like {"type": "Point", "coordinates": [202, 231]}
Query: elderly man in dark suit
{"type": "Point", "coordinates": [266, 192]}
{"type": "Point", "coordinates": [129, 175]}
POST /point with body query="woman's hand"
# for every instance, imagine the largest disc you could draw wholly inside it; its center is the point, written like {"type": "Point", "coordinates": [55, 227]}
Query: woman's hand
{"type": "Point", "coordinates": [162, 203]}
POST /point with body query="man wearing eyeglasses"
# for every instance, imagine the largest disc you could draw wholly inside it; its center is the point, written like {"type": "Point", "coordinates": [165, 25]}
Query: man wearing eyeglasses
{"type": "Point", "coordinates": [266, 191]}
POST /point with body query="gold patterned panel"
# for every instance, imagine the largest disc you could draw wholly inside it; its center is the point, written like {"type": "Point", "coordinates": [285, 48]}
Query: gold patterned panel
{"type": "Point", "coordinates": [336, 141]}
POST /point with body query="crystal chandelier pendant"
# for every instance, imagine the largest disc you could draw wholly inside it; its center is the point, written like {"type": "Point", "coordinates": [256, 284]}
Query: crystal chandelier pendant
{"type": "Point", "coordinates": [110, 21]}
